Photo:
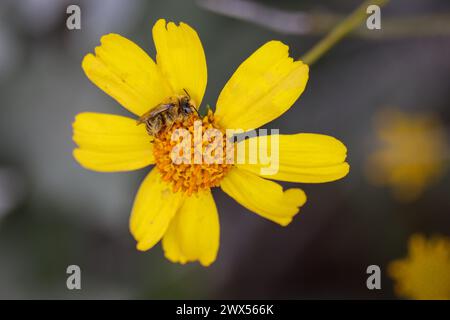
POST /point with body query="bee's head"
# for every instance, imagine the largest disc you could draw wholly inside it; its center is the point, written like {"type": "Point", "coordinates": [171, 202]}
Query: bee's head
{"type": "Point", "coordinates": [186, 105]}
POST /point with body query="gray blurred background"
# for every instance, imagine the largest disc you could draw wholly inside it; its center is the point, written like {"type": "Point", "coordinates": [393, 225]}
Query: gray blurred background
{"type": "Point", "coordinates": [53, 213]}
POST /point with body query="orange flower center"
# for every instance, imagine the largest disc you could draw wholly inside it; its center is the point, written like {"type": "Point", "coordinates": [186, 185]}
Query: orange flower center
{"type": "Point", "coordinates": [192, 175]}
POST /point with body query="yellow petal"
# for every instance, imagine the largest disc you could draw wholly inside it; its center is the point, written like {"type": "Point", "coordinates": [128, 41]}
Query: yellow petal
{"type": "Point", "coordinates": [303, 157]}
{"type": "Point", "coordinates": [154, 207]}
{"type": "Point", "coordinates": [263, 87]}
{"type": "Point", "coordinates": [264, 197]}
{"type": "Point", "coordinates": [193, 233]}
{"type": "Point", "coordinates": [181, 58]}
{"type": "Point", "coordinates": [109, 142]}
{"type": "Point", "coordinates": [125, 72]}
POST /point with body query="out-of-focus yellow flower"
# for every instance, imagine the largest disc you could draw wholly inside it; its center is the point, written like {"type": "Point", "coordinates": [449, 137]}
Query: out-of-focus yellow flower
{"type": "Point", "coordinates": [425, 273]}
{"type": "Point", "coordinates": [411, 154]}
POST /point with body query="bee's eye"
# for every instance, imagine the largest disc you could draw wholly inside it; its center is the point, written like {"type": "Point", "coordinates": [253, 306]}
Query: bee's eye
{"type": "Point", "coordinates": [186, 108]}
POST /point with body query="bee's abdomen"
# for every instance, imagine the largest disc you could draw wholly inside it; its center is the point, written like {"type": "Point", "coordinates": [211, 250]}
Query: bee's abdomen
{"type": "Point", "coordinates": [149, 127]}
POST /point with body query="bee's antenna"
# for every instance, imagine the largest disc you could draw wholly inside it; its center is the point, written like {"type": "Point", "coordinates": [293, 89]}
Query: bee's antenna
{"type": "Point", "coordinates": [189, 96]}
{"type": "Point", "coordinates": [196, 110]}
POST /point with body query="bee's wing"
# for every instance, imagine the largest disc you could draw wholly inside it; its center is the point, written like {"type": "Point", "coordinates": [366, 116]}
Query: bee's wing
{"type": "Point", "coordinates": [153, 112]}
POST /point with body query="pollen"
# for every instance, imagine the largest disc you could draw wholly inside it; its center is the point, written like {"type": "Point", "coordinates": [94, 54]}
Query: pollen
{"type": "Point", "coordinates": [190, 176]}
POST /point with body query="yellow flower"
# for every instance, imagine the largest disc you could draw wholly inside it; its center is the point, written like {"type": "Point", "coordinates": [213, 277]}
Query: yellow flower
{"type": "Point", "coordinates": [425, 273]}
{"type": "Point", "coordinates": [174, 202]}
{"type": "Point", "coordinates": [411, 155]}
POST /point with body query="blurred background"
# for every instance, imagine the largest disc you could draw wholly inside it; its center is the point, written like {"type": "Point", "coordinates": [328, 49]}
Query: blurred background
{"type": "Point", "coordinates": [53, 213]}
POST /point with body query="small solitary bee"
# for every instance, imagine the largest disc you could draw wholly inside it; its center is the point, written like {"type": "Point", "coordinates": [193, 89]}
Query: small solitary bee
{"type": "Point", "coordinates": [165, 114]}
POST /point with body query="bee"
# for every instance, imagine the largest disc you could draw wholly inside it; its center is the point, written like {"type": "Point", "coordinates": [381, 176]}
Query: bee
{"type": "Point", "coordinates": [166, 114]}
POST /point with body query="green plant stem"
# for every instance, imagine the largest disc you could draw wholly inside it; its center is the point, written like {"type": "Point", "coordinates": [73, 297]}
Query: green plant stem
{"type": "Point", "coordinates": [340, 31]}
